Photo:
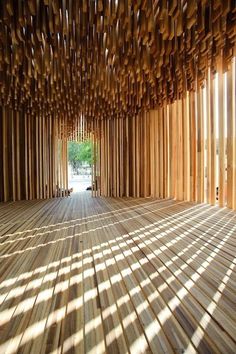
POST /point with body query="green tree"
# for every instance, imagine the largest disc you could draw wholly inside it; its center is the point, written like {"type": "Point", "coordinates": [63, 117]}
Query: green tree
{"type": "Point", "coordinates": [79, 153]}
{"type": "Point", "coordinates": [85, 152]}
{"type": "Point", "coordinates": [73, 154]}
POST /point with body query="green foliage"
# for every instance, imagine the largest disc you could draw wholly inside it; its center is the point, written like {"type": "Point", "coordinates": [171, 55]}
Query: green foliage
{"type": "Point", "coordinates": [85, 152]}
{"type": "Point", "coordinates": [79, 153]}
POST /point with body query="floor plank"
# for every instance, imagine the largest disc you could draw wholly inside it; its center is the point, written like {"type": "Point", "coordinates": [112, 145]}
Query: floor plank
{"type": "Point", "coordinates": [112, 275]}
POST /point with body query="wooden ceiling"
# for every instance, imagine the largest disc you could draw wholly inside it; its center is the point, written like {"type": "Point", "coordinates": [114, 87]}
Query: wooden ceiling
{"type": "Point", "coordinates": [108, 58]}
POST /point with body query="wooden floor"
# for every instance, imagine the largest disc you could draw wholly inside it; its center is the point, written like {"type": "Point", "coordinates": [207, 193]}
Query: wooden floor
{"type": "Point", "coordinates": [86, 275]}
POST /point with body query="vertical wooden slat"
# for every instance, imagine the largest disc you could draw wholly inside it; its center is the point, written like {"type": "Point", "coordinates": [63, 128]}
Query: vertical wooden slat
{"type": "Point", "coordinates": [174, 145]}
{"type": "Point", "coordinates": [60, 185]}
{"type": "Point", "coordinates": [26, 158]}
{"type": "Point", "coordinates": [92, 170]}
{"type": "Point", "coordinates": [221, 147]}
{"type": "Point", "coordinates": [127, 156]}
{"type": "Point", "coordinates": [152, 154]}
{"type": "Point", "coordinates": [30, 157]}
{"type": "Point", "coordinates": [144, 159]}
{"type": "Point", "coordinates": [138, 152]}
{"type": "Point", "coordinates": [171, 152]}
{"type": "Point", "coordinates": [161, 161]}
{"type": "Point", "coordinates": [200, 148]}
{"type": "Point", "coordinates": [40, 178]}
{"type": "Point", "coordinates": [49, 158]}
{"type": "Point", "coordinates": [133, 154]}
{"type": "Point", "coordinates": [13, 157]}
{"type": "Point", "coordinates": [5, 154]}
{"type": "Point", "coordinates": [108, 159]}
{"type": "Point", "coordinates": [165, 157]}
{"type": "Point", "coordinates": [168, 139]}
{"type": "Point", "coordinates": [157, 159]}
{"type": "Point", "coordinates": [18, 162]}
{"type": "Point", "coordinates": [107, 162]}
{"type": "Point", "coordinates": [148, 155]}
{"type": "Point", "coordinates": [212, 115]}
{"type": "Point", "coordinates": [168, 149]}
{"type": "Point", "coordinates": [103, 165]}
{"type": "Point", "coordinates": [234, 129]}
{"type": "Point", "coordinates": [231, 138]}
{"type": "Point", "coordinates": [179, 150]}
{"type": "Point", "coordinates": [117, 157]}
{"type": "Point", "coordinates": [187, 142]}
{"type": "Point", "coordinates": [209, 156]}
{"type": "Point", "coordinates": [37, 155]}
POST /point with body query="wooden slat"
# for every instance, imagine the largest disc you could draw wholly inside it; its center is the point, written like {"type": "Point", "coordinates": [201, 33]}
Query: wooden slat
{"type": "Point", "coordinates": [186, 148]}
{"type": "Point", "coordinates": [222, 141]}
{"type": "Point", "coordinates": [112, 274]}
{"type": "Point", "coordinates": [212, 115]}
{"type": "Point", "coordinates": [76, 64]}
{"type": "Point", "coordinates": [234, 130]}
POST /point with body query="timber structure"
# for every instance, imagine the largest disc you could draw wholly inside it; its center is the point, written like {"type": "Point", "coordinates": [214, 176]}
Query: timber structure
{"type": "Point", "coordinates": [148, 265]}
{"type": "Point", "coordinates": [151, 80]}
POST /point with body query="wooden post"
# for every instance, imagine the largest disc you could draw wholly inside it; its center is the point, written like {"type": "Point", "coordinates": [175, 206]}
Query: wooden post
{"type": "Point", "coordinates": [231, 140]}
{"type": "Point", "coordinates": [211, 113]}
{"type": "Point", "coordinates": [221, 193]}
{"type": "Point", "coordinates": [186, 148]}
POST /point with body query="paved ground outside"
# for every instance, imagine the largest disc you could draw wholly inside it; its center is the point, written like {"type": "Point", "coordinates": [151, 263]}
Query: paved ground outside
{"type": "Point", "coordinates": [79, 183]}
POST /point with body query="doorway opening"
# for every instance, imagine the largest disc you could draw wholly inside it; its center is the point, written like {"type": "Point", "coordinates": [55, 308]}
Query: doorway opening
{"type": "Point", "coordinates": [80, 160]}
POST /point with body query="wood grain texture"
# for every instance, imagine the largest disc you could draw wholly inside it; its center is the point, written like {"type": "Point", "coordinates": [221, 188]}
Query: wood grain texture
{"type": "Point", "coordinates": [231, 141]}
{"type": "Point", "coordinates": [102, 275]}
{"type": "Point", "coordinates": [30, 156]}
{"type": "Point", "coordinates": [131, 76]}
{"type": "Point", "coordinates": [174, 150]}
{"type": "Point", "coordinates": [104, 59]}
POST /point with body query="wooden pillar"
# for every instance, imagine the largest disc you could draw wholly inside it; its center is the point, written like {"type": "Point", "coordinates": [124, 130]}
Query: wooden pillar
{"type": "Point", "coordinates": [187, 142]}
{"type": "Point", "coordinates": [231, 140]}
{"type": "Point", "coordinates": [221, 193]}
{"type": "Point", "coordinates": [212, 123]}
{"type": "Point", "coordinates": [5, 154]}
